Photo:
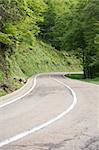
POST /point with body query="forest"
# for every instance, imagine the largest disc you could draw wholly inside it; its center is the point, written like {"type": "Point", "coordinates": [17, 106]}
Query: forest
{"type": "Point", "coordinates": [66, 25]}
{"type": "Point", "coordinates": [73, 25]}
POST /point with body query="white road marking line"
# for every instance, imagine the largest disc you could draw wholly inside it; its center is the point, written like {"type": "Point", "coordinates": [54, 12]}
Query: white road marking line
{"type": "Point", "coordinates": [21, 135]}
{"type": "Point", "coordinates": [14, 100]}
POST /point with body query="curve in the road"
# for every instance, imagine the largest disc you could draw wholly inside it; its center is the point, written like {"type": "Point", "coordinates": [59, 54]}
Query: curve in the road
{"type": "Point", "coordinates": [35, 78]}
{"type": "Point", "coordinates": [21, 135]}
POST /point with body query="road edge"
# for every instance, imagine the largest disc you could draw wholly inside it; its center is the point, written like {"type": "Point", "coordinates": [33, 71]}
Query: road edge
{"type": "Point", "coordinates": [45, 124]}
{"type": "Point", "coordinates": [27, 88]}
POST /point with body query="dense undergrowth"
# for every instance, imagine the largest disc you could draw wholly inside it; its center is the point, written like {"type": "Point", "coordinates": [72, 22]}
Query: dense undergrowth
{"type": "Point", "coordinates": [80, 77]}
{"type": "Point", "coordinates": [40, 58]}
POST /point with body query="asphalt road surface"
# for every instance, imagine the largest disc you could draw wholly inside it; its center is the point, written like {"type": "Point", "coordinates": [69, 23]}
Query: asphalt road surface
{"type": "Point", "coordinates": [76, 130]}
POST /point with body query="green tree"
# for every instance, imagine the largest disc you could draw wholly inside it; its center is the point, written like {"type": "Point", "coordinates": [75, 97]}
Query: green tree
{"type": "Point", "coordinates": [76, 31]}
{"type": "Point", "coordinates": [19, 20]}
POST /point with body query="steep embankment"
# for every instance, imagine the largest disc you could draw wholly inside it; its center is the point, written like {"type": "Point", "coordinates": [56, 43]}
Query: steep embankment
{"type": "Point", "coordinates": [39, 58]}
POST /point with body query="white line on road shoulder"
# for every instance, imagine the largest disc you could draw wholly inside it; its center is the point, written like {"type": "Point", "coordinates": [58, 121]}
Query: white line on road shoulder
{"type": "Point", "coordinates": [14, 100]}
{"type": "Point", "coordinates": [21, 135]}
{"type": "Point", "coordinates": [35, 78]}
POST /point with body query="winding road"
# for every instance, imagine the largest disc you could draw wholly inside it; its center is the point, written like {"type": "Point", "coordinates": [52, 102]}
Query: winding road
{"type": "Point", "coordinates": [57, 113]}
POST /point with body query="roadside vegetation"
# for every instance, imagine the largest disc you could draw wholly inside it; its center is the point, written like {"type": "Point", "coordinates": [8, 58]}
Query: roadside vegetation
{"type": "Point", "coordinates": [80, 77]}
{"type": "Point", "coordinates": [28, 61]}
{"type": "Point", "coordinates": [47, 35]}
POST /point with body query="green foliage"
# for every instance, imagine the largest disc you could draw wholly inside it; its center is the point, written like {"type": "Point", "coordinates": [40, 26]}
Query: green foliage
{"type": "Point", "coordinates": [97, 39]}
{"type": "Point", "coordinates": [76, 28]}
{"type": "Point", "coordinates": [19, 24]}
{"type": "Point", "coordinates": [5, 38]}
{"type": "Point", "coordinates": [37, 59]}
{"type": "Point", "coordinates": [80, 77]}
{"type": "Point", "coordinates": [40, 58]}
{"type": "Point", "coordinates": [19, 20]}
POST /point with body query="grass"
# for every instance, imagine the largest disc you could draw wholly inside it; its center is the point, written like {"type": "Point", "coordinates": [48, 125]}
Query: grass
{"type": "Point", "coordinates": [27, 61]}
{"type": "Point", "coordinates": [80, 77]}
{"type": "Point", "coordinates": [44, 58]}
{"type": "Point", "coordinates": [94, 80]}
{"type": "Point", "coordinates": [2, 93]}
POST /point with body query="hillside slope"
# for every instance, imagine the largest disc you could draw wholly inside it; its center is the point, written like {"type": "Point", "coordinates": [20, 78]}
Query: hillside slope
{"type": "Point", "coordinates": [39, 58]}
